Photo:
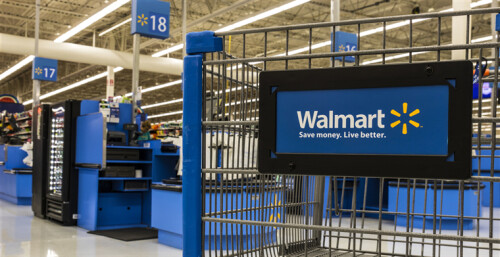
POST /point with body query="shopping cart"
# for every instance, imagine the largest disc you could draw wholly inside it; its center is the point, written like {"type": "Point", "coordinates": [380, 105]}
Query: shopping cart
{"type": "Point", "coordinates": [241, 212]}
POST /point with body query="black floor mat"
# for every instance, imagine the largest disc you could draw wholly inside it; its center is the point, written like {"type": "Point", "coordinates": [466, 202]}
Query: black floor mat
{"type": "Point", "coordinates": [128, 234]}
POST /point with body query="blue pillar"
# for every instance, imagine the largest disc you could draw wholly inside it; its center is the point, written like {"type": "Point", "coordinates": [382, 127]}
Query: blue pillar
{"type": "Point", "coordinates": [196, 44]}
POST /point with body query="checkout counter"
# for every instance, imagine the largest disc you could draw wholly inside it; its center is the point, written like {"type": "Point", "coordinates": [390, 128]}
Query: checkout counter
{"type": "Point", "coordinates": [15, 176]}
{"type": "Point", "coordinates": [167, 210]}
{"type": "Point", "coordinates": [115, 176]}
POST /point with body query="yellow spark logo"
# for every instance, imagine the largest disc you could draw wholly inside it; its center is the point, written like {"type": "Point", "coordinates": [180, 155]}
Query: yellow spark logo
{"type": "Point", "coordinates": [274, 208]}
{"type": "Point", "coordinates": [142, 20]}
{"type": "Point", "coordinates": [341, 48]}
{"type": "Point", "coordinates": [397, 114]}
{"type": "Point", "coordinates": [38, 71]}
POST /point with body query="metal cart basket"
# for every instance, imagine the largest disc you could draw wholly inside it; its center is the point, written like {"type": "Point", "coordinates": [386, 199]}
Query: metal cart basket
{"type": "Point", "coordinates": [243, 213]}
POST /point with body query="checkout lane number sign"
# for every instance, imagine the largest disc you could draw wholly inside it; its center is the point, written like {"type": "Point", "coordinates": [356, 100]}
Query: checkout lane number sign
{"type": "Point", "coordinates": [151, 18]}
{"type": "Point", "coordinates": [44, 69]}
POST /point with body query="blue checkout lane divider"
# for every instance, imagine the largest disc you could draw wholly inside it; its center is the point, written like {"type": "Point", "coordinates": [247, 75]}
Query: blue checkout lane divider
{"type": "Point", "coordinates": [422, 202]}
{"type": "Point", "coordinates": [169, 221]}
{"type": "Point", "coordinates": [482, 167]}
{"type": "Point", "coordinates": [15, 176]}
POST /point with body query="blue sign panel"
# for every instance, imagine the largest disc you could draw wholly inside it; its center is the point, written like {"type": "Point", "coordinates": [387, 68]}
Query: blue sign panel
{"type": "Point", "coordinates": [44, 69]}
{"type": "Point", "coordinates": [394, 121]}
{"type": "Point", "coordinates": [151, 18]}
{"type": "Point", "coordinates": [345, 42]}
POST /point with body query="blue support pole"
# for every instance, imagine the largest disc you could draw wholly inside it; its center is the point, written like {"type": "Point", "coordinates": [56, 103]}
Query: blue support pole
{"type": "Point", "coordinates": [191, 147]}
{"type": "Point", "coordinates": [197, 43]}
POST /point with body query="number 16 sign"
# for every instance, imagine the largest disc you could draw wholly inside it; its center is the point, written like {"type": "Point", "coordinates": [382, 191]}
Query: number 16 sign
{"type": "Point", "coordinates": [345, 42]}
{"type": "Point", "coordinates": [151, 18]}
{"type": "Point", "coordinates": [44, 69]}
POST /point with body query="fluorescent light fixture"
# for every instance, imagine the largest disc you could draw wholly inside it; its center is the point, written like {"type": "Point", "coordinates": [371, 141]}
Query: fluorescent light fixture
{"type": "Point", "coordinates": [91, 20]}
{"type": "Point", "coordinates": [168, 50]}
{"type": "Point", "coordinates": [74, 85]}
{"type": "Point", "coordinates": [407, 22]}
{"type": "Point", "coordinates": [162, 104]}
{"type": "Point", "coordinates": [180, 112]}
{"type": "Point", "coordinates": [242, 23]}
{"type": "Point", "coordinates": [239, 102]}
{"type": "Point", "coordinates": [115, 27]}
{"type": "Point", "coordinates": [399, 56]}
{"type": "Point", "coordinates": [479, 3]}
{"type": "Point", "coordinates": [16, 67]}
{"type": "Point", "coordinates": [263, 15]}
{"type": "Point", "coordinates": [482, 39]}
{"type": "Point", "coordinates": [486, 107]}
{"type": "Point", "coordinates": [83, 25]}
{"type": "Point", "coordinates": [149, 89]}
{"type": "Point", "coordinates": [487, 100]}
{"type": "Point", "coordinates": [165, 114]}
{"type": "Point", "coordinates": [373, 31]}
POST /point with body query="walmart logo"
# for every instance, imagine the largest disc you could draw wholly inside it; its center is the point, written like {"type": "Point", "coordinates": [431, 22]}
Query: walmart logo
{"type": "Point", "coordinates": [142, 20]}
{"type": "Point", "coordinates": [38, 71]}
{"type": "Point", "coordinates": [405, 110]}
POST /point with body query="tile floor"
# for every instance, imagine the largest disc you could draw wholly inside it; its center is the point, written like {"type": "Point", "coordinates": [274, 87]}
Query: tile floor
{"type": "Point", "coordinates": [21, 234]}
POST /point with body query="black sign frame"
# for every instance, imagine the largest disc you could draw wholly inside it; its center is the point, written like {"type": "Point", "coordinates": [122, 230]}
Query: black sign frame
{"type": "Point", "coordinates": [377, 76]}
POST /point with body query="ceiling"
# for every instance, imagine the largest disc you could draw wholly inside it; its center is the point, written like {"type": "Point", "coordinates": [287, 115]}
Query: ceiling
{"type": "Point", "coordinates": [58, 16]}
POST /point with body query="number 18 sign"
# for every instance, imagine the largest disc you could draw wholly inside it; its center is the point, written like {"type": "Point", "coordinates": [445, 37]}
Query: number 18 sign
{"type": "Point", "coordinates": [44, 69]}
{"type": "Point", "coordinates": [151, 18]}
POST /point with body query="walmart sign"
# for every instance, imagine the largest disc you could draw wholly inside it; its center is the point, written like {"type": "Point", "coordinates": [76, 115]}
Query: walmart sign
{"type": "Point", "coordinates": [396, 121]}
{"type": "Point", "coordinates": [409, 120]}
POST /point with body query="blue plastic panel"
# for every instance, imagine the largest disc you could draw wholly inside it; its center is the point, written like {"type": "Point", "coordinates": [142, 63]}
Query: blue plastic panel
{"type": "Point", "coordinates": [2, 153]}
{"type": "Point", "coordinates": [485, 197]}
{"type": "Point", "coordinates": [15, 157]}
{"type": "Point", "coordinates": [88, 184]}
{"type": "Point", "coordinates": [88, 107]}
{"type": "Point", "coordinates": [116, 209]}
{"type": "Point", "coordinates": [450, 206]}
{"type": "Point", "coordinates": [166, 211]}
{"type": "Point", "coordinates": [89, 139]}
{"type": "Point", "coordinates": [497, 22]}
{"type": "Point", "coordinates": [399, 121]}
{"type": "Point", "coordinates": [486, 162]}
{"type": "Point", "coordinates": [203, 42]}
{"type": "Point", "coordinates": [16, 188]}
{"type": "Point", "coordinates": [191, 195]}
{"type": "Point", "coordinates": [167, 216]}
{"type": "Point", "coordinates": [125, 118]}
{"type": "Point", "coordinates": [11, 107]}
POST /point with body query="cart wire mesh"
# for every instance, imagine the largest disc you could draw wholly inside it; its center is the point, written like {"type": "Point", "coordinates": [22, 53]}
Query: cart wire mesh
{"type": "Point", "coordinates": [246, 213]}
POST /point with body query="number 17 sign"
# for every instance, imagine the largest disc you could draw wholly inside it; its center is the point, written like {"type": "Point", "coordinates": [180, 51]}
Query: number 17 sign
{"type": "Point", "coordinates": [44, 69]}
{"type": "Point", "coordinates": [151, 18]}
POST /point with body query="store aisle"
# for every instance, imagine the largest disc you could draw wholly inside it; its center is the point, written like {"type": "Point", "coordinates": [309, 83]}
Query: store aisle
{"type": "Point", "coordinates": [21, 234]}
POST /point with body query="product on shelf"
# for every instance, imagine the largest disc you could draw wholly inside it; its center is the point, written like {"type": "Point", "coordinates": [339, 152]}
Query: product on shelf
{"type": "Point", "coordinates": [162, 130]}
{"type": "Point", "coordinates": [15, 127]}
